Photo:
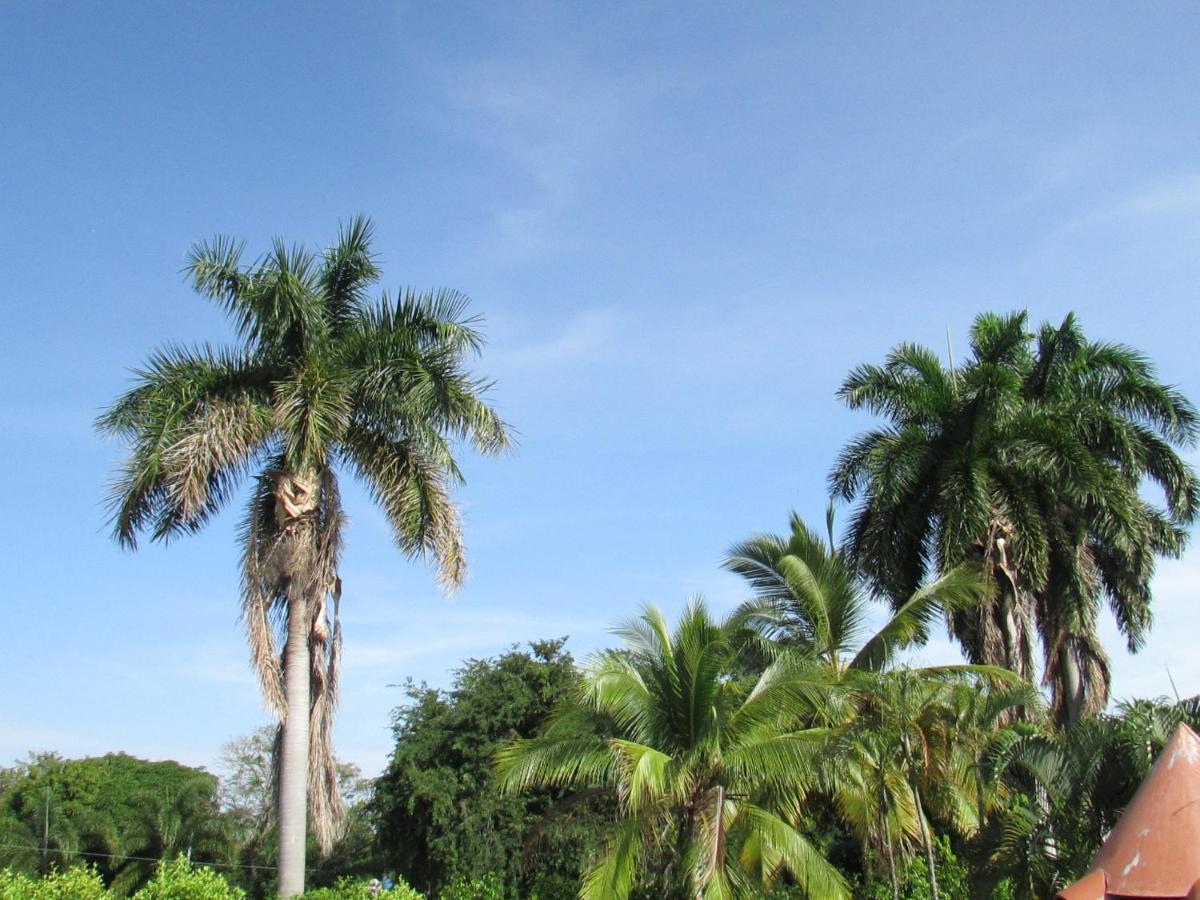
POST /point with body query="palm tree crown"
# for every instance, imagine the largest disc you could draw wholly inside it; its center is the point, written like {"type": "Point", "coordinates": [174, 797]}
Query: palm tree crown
{"type": "Point", "coordinates": [709, 766]}
{"type": "Point", "coordinates": [895, 742]}
{"type": "Point", "coordinates": [325, 379]}
{"type": "Point", "coordinates": [809, 596]}
{"type": "Point", "coordinates": [1027, 460]}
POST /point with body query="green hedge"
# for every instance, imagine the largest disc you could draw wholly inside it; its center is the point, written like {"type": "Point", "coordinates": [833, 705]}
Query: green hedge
{"type": "Point", "coordinates": [180, 880]}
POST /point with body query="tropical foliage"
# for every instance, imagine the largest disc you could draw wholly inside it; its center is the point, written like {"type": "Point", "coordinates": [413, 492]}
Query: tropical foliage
{"type": "Point", "coordinates": [117, 811]}
{"type": "Point", "coordinates": [787, 750]}
{"type": "Point", "coordinates": [176, 879]}
{"type": "Point", "coordinates": [709, 768]}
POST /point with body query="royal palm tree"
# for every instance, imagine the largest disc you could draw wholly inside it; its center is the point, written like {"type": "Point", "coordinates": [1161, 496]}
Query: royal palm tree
{"type": "Point", "coordinates": [1103, 537]}
{"type": "Point", "coordinates": [1027, 461]}
{"type": "Point", "coordinates": [710, 767]}
{"type": "Point", "coordinates": [324, 380]}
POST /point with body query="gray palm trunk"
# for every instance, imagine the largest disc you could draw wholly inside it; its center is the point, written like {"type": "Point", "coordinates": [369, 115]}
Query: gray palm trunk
{"type": "Point", "coordinates": [887, 834]}
{"type": "Point", "coordinates": [297, 501]}
{"type": "Point", "coordinates": [998, 632]}
{"type": "Point", "coordinates": [1071, 685]}
{"type": "Point", "coordinates": [293, 761]}
{"type": "Point", "coordinates": [926, 839]}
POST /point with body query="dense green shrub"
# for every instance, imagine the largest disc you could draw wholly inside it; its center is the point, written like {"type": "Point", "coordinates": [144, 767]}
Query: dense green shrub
{"type": "Point", "coordinates": [76, 883]}
{"type": "Point", "coordinates": [359, 889]}
{"type": "Point", "coordinates": [180, 880]}
{"type": "Point", "coordinates": [489, 887]}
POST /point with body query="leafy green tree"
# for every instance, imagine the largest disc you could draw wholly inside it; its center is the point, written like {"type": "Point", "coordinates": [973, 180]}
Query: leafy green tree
{"type": "Point", "coordinates": [709, 768]}
{"type": "Point", "coordinates": [119, 810]}
{"type": "Point", "coordinates": [324, 379]}
{"type": "Point", "coordinates": [438, 814]}
{"type": "Point", "coordinates": [1027, 461]}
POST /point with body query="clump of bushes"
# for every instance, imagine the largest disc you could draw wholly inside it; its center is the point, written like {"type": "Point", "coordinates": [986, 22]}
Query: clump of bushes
{"type": "Point", "coordinates": [176, 880]}
{"type": "Point", "coordinates": [180, 880]}
{"type": "Point", "coordinates": [490, 887]}
{"type": "Point", "coordinates": [359, 889]}
{"type": "Point", "coordinates": [77, 883]}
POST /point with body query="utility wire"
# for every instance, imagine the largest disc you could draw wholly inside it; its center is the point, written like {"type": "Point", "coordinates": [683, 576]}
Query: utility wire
{"type": "Point", "coordinates": [154, 859]}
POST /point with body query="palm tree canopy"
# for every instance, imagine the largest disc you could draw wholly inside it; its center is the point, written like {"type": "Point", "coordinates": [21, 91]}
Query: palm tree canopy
{"type": "Point", "coordinates": [809, 596]}
{"type": "Point", "coordinates": [710, 767]}
{"type": "Point", "coordinates": [324, 376]}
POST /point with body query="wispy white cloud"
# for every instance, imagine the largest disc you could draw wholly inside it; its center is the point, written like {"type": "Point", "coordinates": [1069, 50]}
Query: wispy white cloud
{"type": "Point", "coordinates": [1060, 167]}
{"type": "Point", "coordinates": [554, 121]}
{"type": "Point", "coordinates": [1167, 199]}
{"type": "Point", "coordinates": [589, 334]}
{"type": "Point", "coordinates": [549, 119]}
{"type": "Point", "coordinates": [1180, 194]}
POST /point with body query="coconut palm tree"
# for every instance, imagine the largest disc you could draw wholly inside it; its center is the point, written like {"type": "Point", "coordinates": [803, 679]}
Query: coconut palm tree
{"type": "Point", "coordinates": [710, 766]}
{"type": "Point", "coordinates": [1028, 462]}
{"type": "Point", "coordinates": [325, 380]}
{"type": "Point", "coordinates": [810, 598]}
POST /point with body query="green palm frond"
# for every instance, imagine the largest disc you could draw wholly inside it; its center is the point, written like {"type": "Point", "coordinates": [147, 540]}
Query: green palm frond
{"type": "Point", "coordinates": [959, 589]}
{"type": "Point", "coordinates": [349, 269]}
{"type": "Point", "coordinates": [613, 876]}
{"type": "Point", "coordinates": [580, 762]}
{"type": "Point", "coordinates": [1028, 459]}
{"type": "Point", "coordinates": [779, 848]}
{"type": "Point", "coordinates": [194, 419]}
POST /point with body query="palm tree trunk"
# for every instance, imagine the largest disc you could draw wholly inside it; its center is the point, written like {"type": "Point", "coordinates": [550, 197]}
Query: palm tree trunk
{"type": "Point", "coordinates": [293, 763]}
{"type": "Point", "coordinates": [891, 862]}
{"type": "Point", "coordinates": [887, 836]}
{"type": "Point", "coordinates": [1070, 684]}
{"type": "Point", "coordinates": [925, 838]}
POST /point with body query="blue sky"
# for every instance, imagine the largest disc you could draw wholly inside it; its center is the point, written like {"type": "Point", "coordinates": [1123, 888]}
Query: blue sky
{"type": "Point", "coordinates": [683, 223]}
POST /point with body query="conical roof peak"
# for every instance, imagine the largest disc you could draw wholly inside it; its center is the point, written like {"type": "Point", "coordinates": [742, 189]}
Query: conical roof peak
{"type": "Point", "coordinates": [1154, 850]}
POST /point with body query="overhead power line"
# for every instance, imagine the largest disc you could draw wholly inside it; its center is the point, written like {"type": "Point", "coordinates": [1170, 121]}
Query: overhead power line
{"type": "Point", "coordinates": [153, 859]}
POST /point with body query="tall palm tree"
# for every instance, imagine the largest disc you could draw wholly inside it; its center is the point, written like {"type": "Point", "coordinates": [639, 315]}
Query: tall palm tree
{"type": "Point", "coordinates": [710, 767]}
{"type": "Point", "coordinates": [1103, 537]}
{"type": "Point", "coordinates": [325, 379]}
{"type": "Point", "coordinates": [1028, 461]}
